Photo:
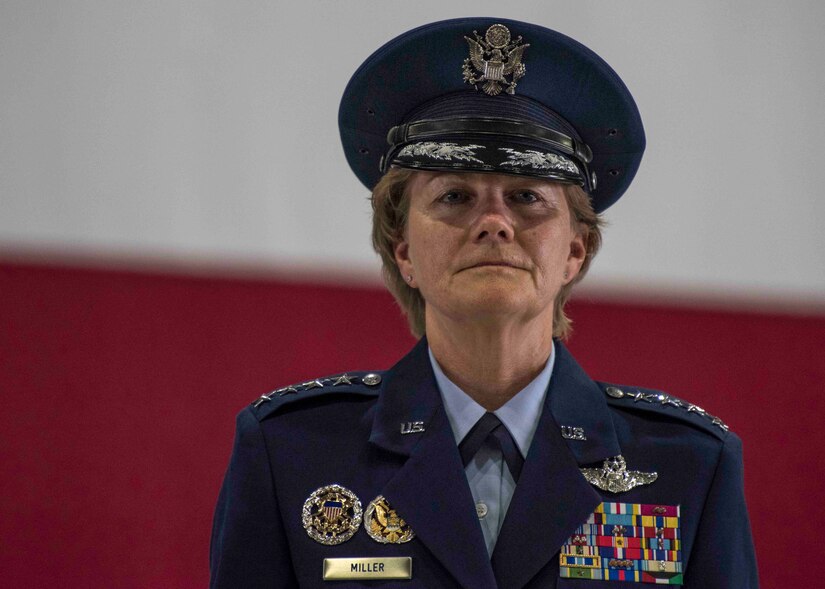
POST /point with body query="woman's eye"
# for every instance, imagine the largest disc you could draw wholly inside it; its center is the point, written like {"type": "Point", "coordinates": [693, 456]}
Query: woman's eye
{"type": "Point", "coordinates": [526, 197]}
{"type": "Point", "coordinates": [453, 197]}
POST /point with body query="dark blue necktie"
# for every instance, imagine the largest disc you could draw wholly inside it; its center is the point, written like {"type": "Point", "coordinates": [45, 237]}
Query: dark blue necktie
{"type": "Point", "coordinates": [490, 427]}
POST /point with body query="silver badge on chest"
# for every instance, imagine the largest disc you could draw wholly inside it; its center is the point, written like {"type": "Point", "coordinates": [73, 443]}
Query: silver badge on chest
{"type": "Point", "coordinates": [614, 477]}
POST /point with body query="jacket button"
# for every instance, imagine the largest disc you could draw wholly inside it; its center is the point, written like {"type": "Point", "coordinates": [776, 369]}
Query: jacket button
{"type": "Point", "coordinates": [614, 392]}
{"type": "Point", "coordinates": [371, 379]}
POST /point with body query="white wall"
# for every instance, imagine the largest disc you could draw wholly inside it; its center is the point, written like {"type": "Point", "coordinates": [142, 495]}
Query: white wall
{"type": "Point", "coordinates": [194, 131]}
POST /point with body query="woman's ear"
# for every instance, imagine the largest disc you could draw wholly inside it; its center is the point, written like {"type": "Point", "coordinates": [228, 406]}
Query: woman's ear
{"type": "Point", "coordinates": [403, 261]}
{"type": "Point", "coordinates": [576, 257]}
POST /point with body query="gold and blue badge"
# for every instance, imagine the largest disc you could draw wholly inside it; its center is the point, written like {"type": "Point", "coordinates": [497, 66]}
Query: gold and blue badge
{"type": "Point", "coordinates": [626, 542]}
{"type": "Point", "coordinates": [384, 525]}
{"type": "Point", "coordinates": [331, 514]}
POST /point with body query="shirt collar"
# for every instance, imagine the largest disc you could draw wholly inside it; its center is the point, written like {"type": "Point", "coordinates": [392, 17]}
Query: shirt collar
{"type": "Point", "coordinates": [520, 415]}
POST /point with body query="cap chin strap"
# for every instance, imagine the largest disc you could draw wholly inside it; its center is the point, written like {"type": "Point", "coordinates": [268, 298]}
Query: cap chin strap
{"type": "Point", "coordinates": [405, 133]}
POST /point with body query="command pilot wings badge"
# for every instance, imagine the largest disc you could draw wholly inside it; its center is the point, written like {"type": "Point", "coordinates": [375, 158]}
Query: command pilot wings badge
{"type": "Point", "coordinates": [494, 58]}
{"type": "Point", "coordinates": [614, 477]}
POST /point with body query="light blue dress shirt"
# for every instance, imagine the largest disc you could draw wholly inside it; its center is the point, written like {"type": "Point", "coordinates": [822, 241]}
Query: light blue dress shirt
{"type": "Point", "coordinates": [490, 480]}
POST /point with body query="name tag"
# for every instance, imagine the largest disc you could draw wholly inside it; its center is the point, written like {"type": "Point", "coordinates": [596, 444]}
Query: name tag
{"type": "Point", "coordinates": [340, 569]}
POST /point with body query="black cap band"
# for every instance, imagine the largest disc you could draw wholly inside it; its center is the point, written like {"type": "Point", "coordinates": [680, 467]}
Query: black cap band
{"type": "Point", "coordinates": [556, 141]}
{"type": "Point", "coordinates": [453, 144]}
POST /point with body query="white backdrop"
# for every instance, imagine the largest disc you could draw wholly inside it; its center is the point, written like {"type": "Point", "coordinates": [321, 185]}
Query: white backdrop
{"type": "Point", "coordinates": [205, 132]}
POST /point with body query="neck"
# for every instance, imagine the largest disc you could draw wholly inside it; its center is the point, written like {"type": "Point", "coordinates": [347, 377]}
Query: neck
{"type": "Point", "coordinates": [490, 362]}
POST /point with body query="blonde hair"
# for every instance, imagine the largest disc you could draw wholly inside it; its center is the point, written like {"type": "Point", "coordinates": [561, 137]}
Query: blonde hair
{"type": "Point", "coordinates": [390, 210]}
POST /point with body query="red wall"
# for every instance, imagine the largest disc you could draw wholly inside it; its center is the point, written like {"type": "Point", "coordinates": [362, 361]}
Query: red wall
{"type": "Point", "coordinates": [119, 392]}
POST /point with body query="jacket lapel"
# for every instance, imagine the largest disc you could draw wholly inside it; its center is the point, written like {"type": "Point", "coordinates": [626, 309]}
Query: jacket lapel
{"type": "Point", "coordinates": [431, 483]}
{"type": "Point", "coordinates": [552, 498]}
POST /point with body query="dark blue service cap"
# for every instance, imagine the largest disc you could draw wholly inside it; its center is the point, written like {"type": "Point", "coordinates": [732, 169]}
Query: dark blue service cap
{"type": "Point", "coordinates": [493, 95]}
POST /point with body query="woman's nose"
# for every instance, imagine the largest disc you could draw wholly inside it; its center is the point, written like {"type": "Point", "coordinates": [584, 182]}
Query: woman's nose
{"type": "Point", "coordinates": [494, 222]}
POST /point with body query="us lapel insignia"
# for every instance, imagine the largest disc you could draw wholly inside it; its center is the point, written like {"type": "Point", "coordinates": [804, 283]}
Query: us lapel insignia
{"type": "Point", "coordinates": [570, 432]}
{"type": "Point", "coordinates": [331, 515]}
{"type": "Point", "coordinates": [384, 525]}
{"type": "Point", "coordinates": [626, 542]}
{"type": "Point", "coordinates": [614, 477]}
{"type": "Point", "coordinates": [412, 427]}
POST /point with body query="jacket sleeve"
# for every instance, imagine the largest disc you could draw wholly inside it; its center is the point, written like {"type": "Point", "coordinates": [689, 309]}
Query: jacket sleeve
{"type": "Point", "coordinates": [249, 547]}
{"type": "Point", "coordinates": [723, 555]}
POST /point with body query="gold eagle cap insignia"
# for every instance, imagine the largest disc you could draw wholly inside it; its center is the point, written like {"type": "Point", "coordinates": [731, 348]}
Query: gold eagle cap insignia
{"type": "Point", "coordinates": [615, 478]}
{"type": "Point", "coordinates": [495, 59]}
{"type": "Point", "coordinates": [384, 525]}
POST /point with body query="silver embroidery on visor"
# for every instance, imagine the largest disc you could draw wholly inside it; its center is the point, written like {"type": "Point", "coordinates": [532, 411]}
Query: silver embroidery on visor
{"type": "Point", "coordinates": [538, 160]}
{"type": "Point", "coordinates": [442, 151]}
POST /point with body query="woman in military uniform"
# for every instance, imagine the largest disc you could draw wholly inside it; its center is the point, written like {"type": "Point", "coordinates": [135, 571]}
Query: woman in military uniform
{"type": "Point", "coordinates": [486, 457]}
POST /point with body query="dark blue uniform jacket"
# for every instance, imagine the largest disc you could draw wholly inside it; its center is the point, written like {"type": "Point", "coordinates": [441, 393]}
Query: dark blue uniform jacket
{"type": "Point", "coordinates": [295, 442]}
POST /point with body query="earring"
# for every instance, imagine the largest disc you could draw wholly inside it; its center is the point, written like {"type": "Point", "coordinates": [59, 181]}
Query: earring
{"type": "Point", "coordinates": [409, 277]}
{"type": "Point", "coordinates": [566, 274]}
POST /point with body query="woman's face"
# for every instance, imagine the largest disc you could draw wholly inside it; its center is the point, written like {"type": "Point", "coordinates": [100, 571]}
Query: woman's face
{"type": "Point", "coordinates": [481, 246]}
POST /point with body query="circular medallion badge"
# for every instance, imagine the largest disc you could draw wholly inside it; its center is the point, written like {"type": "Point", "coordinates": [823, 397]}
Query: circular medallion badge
{"type": "Point", "coordinates": [331, 515]}
{"type": "Point", "coordinates": [498, 36]}
{"type": "Point", "coordinates": [384, 525]}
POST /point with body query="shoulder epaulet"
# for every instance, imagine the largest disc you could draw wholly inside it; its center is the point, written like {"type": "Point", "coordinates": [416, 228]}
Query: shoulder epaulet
{"type": "Point", "coordinates": [660, 402]}
{"type": "Point", "coordinates": [356, 383]}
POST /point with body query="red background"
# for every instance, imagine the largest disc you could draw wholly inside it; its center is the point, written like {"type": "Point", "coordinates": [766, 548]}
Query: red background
{"type": "Point", "coordinates": [119, 391]}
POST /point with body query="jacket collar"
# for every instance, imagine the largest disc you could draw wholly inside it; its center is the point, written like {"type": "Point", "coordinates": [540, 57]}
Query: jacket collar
{"type": "Point", "coordinates": [429, 485]}
{"type": "Point", "coordinates": [551, 499]}
{"type": "Point", "coordinates": [576, 401]}
{"type": "Point", "coordinates": [410, 394]}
